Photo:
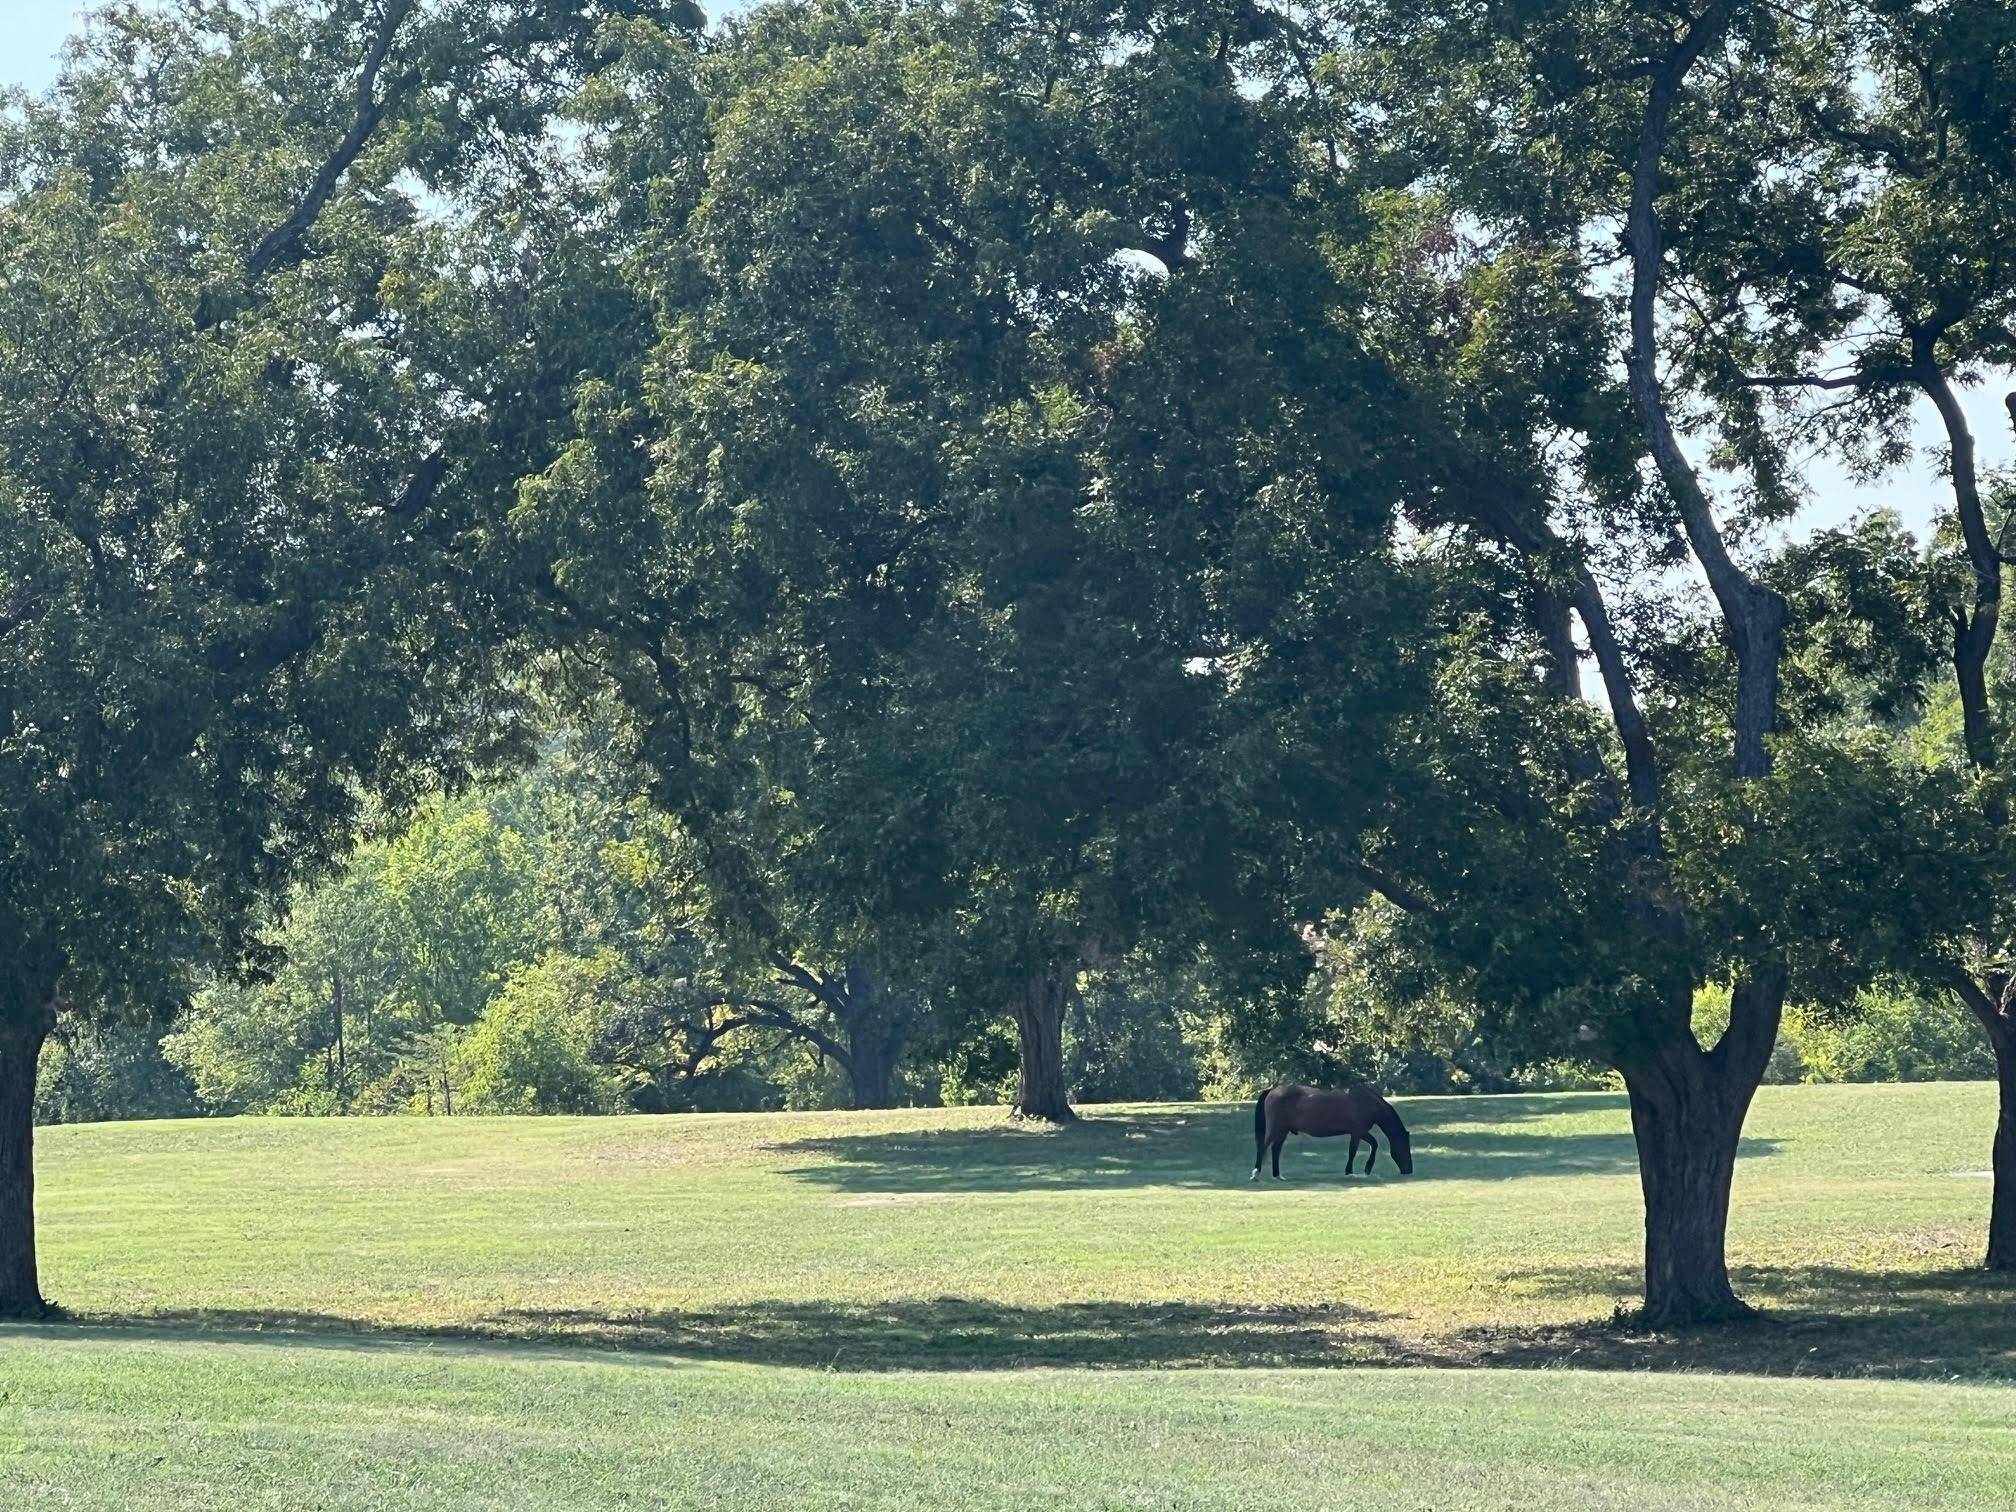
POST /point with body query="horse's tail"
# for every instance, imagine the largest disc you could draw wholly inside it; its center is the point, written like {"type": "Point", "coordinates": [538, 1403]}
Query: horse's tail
{"type": "Point", "coordinates": [1260, 1114]}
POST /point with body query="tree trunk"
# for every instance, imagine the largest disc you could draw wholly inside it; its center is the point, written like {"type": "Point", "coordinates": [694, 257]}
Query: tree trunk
{"type": "Point", "coordinates": [1687, 1111]}
{"type": "Point", "coordinates": [1039, 1024]}
{"type": "Point", "coordinates": [871, 1071]}
{"type": "Point", "coordinates": [342, 1048]}
{"type": "Point", "coordinates": [22, 1033]}
{"type": "Point", "coordinates": [876, 1022]}
{"type": "Point", "coordinates": [1686, 1162]}
{"type": "Point", "coordinates": [2002, 1208]}
{"type": "Point", "coordinates": [1988, 999]}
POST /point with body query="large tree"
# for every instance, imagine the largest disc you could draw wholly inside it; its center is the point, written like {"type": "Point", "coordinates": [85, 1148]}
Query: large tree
{"type": "Point", "coordinates": [1564, 182]}
{"type": "Point", "coordinates": [835, 525]}
{"type": "Point", "coordinates": [1869, 278]}
{"type": "Point", "coordinates": [259, 383]}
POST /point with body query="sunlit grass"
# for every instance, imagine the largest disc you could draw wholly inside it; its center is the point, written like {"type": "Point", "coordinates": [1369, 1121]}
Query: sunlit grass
{"type": "Point", "coordinates": [409, 1311]}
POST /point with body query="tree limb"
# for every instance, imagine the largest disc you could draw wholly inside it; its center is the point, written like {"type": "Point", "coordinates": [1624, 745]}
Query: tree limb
{"type": "Point", "coordinates": [284, 241]}
{"type": "Point", "coordinates": [1755, 614]}
{"type": "Point", "coordinates": [1393, 890]}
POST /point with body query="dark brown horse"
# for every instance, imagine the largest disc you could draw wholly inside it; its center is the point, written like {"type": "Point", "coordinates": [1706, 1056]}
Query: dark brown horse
{"type": "Point", "coordinates": [1356, 1111]}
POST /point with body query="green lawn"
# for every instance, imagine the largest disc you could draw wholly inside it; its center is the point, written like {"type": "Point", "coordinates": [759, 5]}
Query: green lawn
{"type": "Point", "coordinates": [927, 1308]}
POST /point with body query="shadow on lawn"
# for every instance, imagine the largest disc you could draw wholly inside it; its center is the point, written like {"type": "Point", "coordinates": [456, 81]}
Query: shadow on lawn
{"type": "Point", "coordinates": [1820, 1321]}
{"type": "Point", "coordinates": [1817, 1320]}
{"type": "Point", "coordinates": [1455, 1139]}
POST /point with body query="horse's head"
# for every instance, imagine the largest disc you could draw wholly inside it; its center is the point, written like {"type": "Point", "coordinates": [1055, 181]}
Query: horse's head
{"type": "Point", "coordinates": [1398, 1144]}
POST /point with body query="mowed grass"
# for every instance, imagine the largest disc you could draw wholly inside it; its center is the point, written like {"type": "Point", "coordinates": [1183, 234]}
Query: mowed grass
{"type": "Point", "coordinates": [146, 1422]}
{"type": "Point", "coordinates": [935, 1308]}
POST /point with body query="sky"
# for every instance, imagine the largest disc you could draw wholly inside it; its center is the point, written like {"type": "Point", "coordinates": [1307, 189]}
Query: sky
{"type": "Point", "coordinates": [32, 31]}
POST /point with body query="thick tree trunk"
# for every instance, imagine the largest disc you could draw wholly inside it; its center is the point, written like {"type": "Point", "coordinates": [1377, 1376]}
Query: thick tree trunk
{"type": "Point", "coordinates": [22, 1032]}
{"type": "Point", "coordinates": [2002, 1206]}
{"type": "Point", "coordinates": [871, 1068]}
{"type": "Point", "coordinates": [1039, 1024]}
{"type": "Point", "coordinates": [1686, 1162]}
{"type": "Point", "coordinates": [876, 1021]}
{"type": "Point", "coordinates": [1687, 1111]}
{"type": "Point", "coordinates": [1989, 1001]}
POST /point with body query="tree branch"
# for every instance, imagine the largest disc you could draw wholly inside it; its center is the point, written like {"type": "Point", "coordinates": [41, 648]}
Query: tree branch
{"type": "Point", "coordinates": [769, 1014]}
{"type": "Point", "coordinates": [1754, 613]}
{"type": "Point", "coordinates": [1975, 638]}
{"type": "Point", "coordinates": [1871, 378]}
{"type": "Point", "coordinates": [1393, 890]}
{"type": "Point", "coordinates": [284, 241]}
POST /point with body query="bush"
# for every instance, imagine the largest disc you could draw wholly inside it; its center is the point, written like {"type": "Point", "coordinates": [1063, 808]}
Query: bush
{"type": "Point", "coordinates": [1878, 1035]}
{"type": "Point", "coordinates": [1890, 1036]}
{"type": "Point", "coordinates": [532, 1050]}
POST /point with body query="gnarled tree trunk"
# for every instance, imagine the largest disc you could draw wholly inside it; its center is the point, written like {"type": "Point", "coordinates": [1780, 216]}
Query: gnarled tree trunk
{"type": "Point", "coordinates": [1687, 1112]}
{"type": "Point", "coordinates": [1039, 1025]}
{"type": "Point", "coordinates": [23, 1029]}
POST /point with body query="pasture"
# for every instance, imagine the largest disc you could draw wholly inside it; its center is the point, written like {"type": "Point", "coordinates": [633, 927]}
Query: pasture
{"type": "Point", "coordinates": [933, 1308]}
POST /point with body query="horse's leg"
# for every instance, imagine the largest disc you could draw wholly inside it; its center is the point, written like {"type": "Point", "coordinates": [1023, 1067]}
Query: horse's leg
{"type": "Point", "coordinates": [1352, 1157]}
{"type": "Point", "coordinates": [1271, 1133]}
{"type": "Point", "coordinates": [1371, 1151]}
{"type": "Point", "coordinates": [1279, 1140]}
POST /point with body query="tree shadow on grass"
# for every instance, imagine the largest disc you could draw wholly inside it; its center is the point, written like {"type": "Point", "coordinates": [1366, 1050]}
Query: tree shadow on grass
{"type": "Point", "coordinates": [920, 1334]}
{"type": "Point", "coordinates": [1455, 1139]}
{"type": "Point", "coordinates": [1819, 1321]}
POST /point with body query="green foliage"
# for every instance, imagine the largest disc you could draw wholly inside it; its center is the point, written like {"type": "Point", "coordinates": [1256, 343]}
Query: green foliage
{"type": "Point", "coordinates": [1890, 1036]}
{"type": "Point", "coordinates": [1885, 1034]}
{"type": "Point", "coordinates": [418, 934]}
{"type": "Point", "coordinates": [532, 1050]}
{"type": "Point", "coordinates": [1128, 1037]}
{"type": "Point", "coordinates": [260, 380]}
{"type": "Point", "coordinates": [97, 1072]}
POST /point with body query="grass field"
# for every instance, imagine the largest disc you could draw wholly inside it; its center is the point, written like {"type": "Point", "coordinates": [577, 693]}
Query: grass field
{"type": "Point", "coordinates": [932, 1308]}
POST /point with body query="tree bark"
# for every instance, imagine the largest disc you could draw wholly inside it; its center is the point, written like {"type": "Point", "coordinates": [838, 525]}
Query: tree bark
{"type": "Point", "coordinates": [1754, 612]}
{"type": "Point", "coordinates": [876, 1021]}
{"type": "Point", "coordinates": [2002, 1205]}
{"type": "Point", "coordinates": [23, 1030]}
{"type": "Point", "coordinates": [1989, 999]}
{"type": "Point", "coordinates": [1687, 1111]}
{"type": "Point", "coordinates": [871, 1072]}
{"type": "Point", "coordinates": [1039, 1024]}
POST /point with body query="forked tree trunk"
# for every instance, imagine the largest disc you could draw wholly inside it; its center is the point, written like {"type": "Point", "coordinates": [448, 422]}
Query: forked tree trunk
{"type": "Point", "coordinates": [2002, 1205]}
{"type": "Point", "coordinates": [1039, 1025]}
{"type": "Point", "coordinates": [1687, 1112]}
{"type": "Point", "coordinates": [22, 1032]}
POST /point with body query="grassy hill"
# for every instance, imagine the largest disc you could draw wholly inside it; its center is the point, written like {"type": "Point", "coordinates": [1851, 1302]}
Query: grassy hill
{"type": "Point", "coordinates": [922, 1308]}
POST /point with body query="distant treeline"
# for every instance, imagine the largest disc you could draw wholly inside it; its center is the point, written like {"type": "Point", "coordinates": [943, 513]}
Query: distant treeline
{"type": "Point", "coordinates": [528, 948]}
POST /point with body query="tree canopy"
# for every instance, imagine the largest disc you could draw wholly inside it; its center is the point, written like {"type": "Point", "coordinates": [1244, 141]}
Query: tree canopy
{"type": "Point", "coordinates": [1039, 492]}
{"type": "Point", "coordinates": [264, 384]}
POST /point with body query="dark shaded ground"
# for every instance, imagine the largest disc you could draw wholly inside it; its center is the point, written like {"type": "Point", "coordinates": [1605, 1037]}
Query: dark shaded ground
{"type": "Point", "coordinates": [1455, 1139]}
{"type": "Point", "coordinates": [1820, 1322]}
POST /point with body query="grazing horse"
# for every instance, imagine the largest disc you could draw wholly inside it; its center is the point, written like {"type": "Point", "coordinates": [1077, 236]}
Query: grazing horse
{"type": "Point", "coordinates": [1282, 1111]}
